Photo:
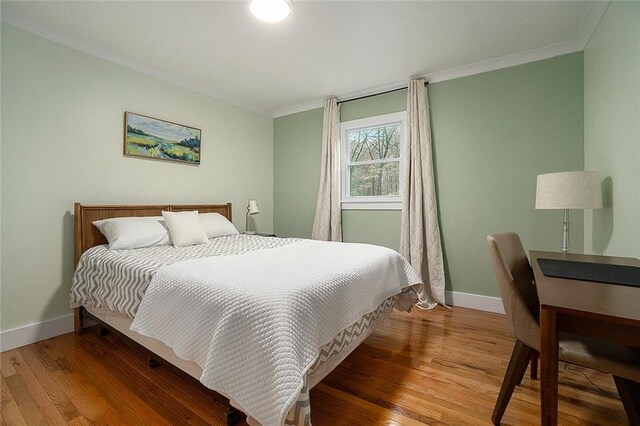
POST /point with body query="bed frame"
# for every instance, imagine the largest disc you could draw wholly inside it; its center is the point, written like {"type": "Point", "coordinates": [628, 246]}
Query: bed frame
{"type": "Point", "coordinates": [87, 235]}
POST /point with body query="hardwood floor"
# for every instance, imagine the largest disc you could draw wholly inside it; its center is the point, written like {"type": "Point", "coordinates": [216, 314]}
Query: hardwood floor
{"type": "Point", "coordinates": [441, 367]}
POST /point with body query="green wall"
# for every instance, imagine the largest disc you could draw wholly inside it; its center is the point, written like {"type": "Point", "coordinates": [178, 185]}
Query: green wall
{"type": "Point", "coordinates": [296, 173]}
{"type": "Point", "coordinates": [493, 133]}
{"type": "Point", "coordinates": [612, 130]}
{"type": "Point", "coordinates": [61, 136]}
{"type": "Point", "coordinates": [62, 130]}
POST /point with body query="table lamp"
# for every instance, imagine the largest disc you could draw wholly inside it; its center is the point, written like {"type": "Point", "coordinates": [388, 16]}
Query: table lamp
{"type": "Point", "coordinates": [252, 209]}
{"type": "Point", "coordinates": [568, 190]}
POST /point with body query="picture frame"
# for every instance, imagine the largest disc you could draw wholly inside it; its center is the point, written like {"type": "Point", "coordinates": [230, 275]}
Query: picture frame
{"type": "Point", "coordinates": [158, 139]}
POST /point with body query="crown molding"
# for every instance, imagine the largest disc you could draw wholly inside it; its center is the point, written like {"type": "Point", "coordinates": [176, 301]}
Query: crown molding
{"type": "Point", "coordinates": [592, 17]}
{"type": "Point", "coordinates": [319, 103]}
{"type": "Point", "coordinates": [508, 61]}
{"type": "Point", "coordinates": [109, 56]}
{"type": "Point", "coordinates": [280, 112]}
{"type": "Point", "coordinates": [521, 58]}
{"type": "Point", "coordinates": [590, 23]}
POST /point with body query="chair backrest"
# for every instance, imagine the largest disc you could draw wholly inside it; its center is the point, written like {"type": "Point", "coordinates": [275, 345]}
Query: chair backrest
{"type": "Point", "coordinates": [517, 288]}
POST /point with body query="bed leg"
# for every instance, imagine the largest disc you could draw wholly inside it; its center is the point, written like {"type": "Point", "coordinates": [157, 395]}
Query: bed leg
{"type": "Point", "coordinates": [103, 331]}
{"type": "Point", "coordinates": [234, 415]}
{"type": "Point", "coordinates": [153, 363]}
{"type": "Point", "coordinates": [78, 319]}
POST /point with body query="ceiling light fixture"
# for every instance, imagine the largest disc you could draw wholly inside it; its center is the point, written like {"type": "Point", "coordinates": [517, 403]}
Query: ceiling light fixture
{"type": "Point", "coordinates": [270, 10]}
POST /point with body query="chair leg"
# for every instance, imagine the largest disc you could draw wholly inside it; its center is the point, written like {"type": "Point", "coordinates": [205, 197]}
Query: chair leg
{"type": "Point", "coordinates": [629, 392]}
{"type": "Point", "coordinates": [515, 372]}
{"type": "Point", "coordinates": [534, 365]}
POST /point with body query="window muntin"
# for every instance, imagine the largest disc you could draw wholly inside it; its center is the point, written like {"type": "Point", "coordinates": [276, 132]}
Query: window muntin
{"type": "Point", "coordinates": [372, 162]}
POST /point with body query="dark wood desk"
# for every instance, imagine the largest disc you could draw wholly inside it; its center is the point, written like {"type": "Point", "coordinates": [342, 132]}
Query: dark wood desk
{"type": "Point", "coordinates": [604, 311]}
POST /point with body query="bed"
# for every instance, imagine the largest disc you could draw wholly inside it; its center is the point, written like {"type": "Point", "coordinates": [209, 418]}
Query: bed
{"type": "Point", "coordinates": [254, 343]}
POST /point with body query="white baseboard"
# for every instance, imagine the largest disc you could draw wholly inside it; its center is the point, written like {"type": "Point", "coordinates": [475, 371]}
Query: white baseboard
{"type": "Point", "coordinates": [32, 333]}
{"type": "Point", "coordinates": [474, 301]}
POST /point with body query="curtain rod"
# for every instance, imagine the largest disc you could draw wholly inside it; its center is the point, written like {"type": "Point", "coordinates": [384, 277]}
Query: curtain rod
{"type": "Point", "coordinates": [426, 83]}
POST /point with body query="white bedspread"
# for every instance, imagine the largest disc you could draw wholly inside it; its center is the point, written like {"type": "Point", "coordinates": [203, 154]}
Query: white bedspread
{"type": "Point", "coordinates": [254, 322]}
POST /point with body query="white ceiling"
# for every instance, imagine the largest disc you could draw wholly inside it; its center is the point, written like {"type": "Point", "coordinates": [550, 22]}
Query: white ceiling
{"type": "Point", "coordinates": [324, 48]}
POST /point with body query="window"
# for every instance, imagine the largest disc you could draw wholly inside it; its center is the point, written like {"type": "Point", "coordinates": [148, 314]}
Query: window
{"type": "Point", "coordinates": [372, 162]}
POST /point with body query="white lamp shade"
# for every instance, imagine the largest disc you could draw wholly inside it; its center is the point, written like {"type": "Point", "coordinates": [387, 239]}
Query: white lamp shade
{"type": "Point", "coordinates": [252, 208]}
{"type": "Point", "coordinates": [569, 190]}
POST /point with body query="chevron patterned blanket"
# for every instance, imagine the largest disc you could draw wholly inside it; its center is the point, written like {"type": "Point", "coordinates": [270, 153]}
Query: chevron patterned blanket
{"type": "Point", "coordinates": [255, 322]}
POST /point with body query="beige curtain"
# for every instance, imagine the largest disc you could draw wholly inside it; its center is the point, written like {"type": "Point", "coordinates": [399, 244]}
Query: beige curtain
{"type": "Point", "coordinates": [327, 224]}
{"type": "Point", "coordinates": [420, 232]}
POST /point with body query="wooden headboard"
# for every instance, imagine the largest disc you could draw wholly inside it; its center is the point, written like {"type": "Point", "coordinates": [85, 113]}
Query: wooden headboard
{"type": "Point", "coordinates": [87, 235]}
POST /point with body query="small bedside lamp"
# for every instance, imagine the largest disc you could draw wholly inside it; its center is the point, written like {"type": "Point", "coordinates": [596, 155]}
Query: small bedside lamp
{"type": "Point", "coordinates": [568, 190]}
{"type": "Point", "coordinates": [252, 209]}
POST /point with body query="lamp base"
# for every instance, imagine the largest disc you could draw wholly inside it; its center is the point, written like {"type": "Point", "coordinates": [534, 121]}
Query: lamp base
{"type": "Point", "coordinates": [565, 232]}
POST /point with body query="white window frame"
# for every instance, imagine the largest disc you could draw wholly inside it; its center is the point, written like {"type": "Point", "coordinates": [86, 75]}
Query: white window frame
{"type": "Point", "coordinates": [370, 203]}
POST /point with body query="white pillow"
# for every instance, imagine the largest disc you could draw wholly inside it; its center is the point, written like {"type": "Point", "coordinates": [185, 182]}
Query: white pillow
{"type": "Point", "coordinates": [216, 225]}
{"type": "Point", "coordinates": [185, 228]}
{"type": "Point", "coordinates": [134, 232]}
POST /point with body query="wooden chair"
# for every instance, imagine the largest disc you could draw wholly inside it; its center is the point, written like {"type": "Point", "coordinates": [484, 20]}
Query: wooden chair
{"type": "Point", "coordinates": [520, 299]}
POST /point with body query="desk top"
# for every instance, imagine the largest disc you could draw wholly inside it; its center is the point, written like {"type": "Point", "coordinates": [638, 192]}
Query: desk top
{"type": "Point", "coordinates": [617, 301]}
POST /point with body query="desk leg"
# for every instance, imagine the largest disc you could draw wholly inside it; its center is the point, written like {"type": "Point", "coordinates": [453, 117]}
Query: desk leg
{"type": "Point", "coordinates": [549, 366]}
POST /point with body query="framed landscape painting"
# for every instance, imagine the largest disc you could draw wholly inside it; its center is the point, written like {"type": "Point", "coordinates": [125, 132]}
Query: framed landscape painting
{"type": "Point", "coordinates": [159, 139]}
